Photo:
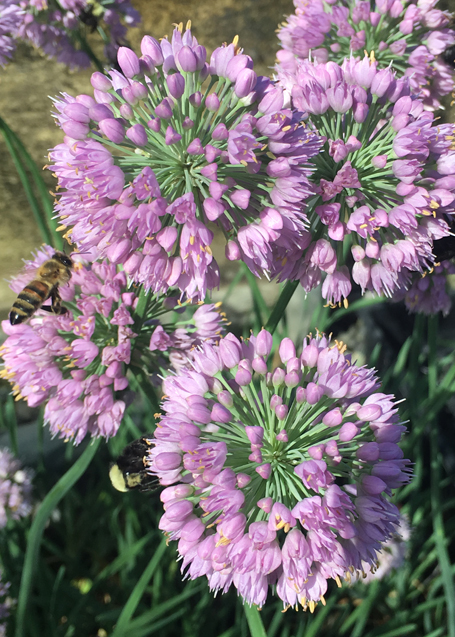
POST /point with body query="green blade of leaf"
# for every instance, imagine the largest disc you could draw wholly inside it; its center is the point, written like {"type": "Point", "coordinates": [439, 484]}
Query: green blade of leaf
{"type": "Point", "coordinates": [36, 532]}
{"type": "Point", "coordinates": [138, 591]}
{"type": "Point", "coordinates": [42, 208]}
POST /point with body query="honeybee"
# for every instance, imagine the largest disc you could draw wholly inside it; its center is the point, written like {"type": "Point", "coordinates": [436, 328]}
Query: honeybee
{"type": "Point", "coordinates": [129, 472]}
{"type": "Point", "coordinates": [52, 273]}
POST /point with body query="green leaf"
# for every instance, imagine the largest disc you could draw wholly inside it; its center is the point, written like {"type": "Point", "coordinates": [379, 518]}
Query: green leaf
{"type": "Point", "coordinates": [36, 532]}
{"type": "Point", "coordinates": [138, 591]}
{"type": "Point", "coordinates": [41, 205]}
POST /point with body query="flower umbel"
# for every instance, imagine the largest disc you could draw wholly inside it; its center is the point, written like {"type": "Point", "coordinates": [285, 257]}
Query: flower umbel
{"type": "Point", "coordinates": [277, 478]}
{"type": "Point", "coordinates": [412, 36]}
{"type": "Point", "coordinates": [15, 488]}
{"type": "Point", "coordinates": [384, 179]}
{"type": "Point", "coordinates": [429, 294]}
{"type": "Point", "coordinates": [77, 363]}
{"type": "Point", "coordinates": [172, 144]}
{"type": "Point", "coordinates": [391, 556]}
{"type": "Point", "coordinates": [10, 20]}
{"type": "Point", "coordinates": [6, 603]}
{"type": "Point", "coordinates": [57, 28]}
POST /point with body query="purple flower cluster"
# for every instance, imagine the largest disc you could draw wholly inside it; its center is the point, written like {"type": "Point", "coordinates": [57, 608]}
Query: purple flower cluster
{"type": "Point", "coordinates": [15, 489]}
{"type": "Point", "coordinates": [6, 603]}
{"type": "Point", "coordinates": [55, 27]}
{"type": "Point", "coordinates": [10, 20]}
{"type": "Point", "coordinates": [181, 339]}
{"type": "Point", "coordinates": [154, 157]}
{"type": "Point", "coordinates": [384, 180]}
{"type": "Point", "coordinates": [429, 294]}
{"type": "Point", "coordinates": [277, 478]}
{"type": "Point", "coordinates": [391, 556]}
{"type": "Point", "coordinates": [77, 362]}
{"type": "Point", "coordinates": [412, 36]}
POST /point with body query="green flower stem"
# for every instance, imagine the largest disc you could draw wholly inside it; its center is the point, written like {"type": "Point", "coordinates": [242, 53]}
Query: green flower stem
{"type": "Point", "coordinates": [88, 49]}
{"type": "Point", "coordinates": [281, 305]}
{"type": "Point", "coordinates": [254, 621]}
{"type": "Point", "coordinates": [48, 505]}
{"type": "Point", "coordinates": [42, 205]}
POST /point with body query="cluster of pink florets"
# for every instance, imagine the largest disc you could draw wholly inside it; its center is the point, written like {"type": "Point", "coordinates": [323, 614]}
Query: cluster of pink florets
{"type": "Point", "coordinates": [281, 481]}
{"type": "Point", "coordinates": [143, 190]}
{"type": "Point", "coordinates": [76, 363]}
{"type": "Point", "coordinates": [54, 27]}
{"type": "Point", "coordinates": [386, 185]}
{"type": "Point", "coordinates": [412, 36]}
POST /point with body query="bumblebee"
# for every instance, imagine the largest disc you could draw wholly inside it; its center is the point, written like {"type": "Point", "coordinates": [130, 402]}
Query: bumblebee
{"type": "Point", "coordinates": [449, 56]}
{"type": "Point", "coordinates": [89, 19]}
{"type": "Point", "coordinates": [52, 273]}
{"type": "Point", "coordinates": [91, 14]}
{"type": "Point", "coordinates": [444, 249]}
{"type": "Point", "coordinates": [129, 472]}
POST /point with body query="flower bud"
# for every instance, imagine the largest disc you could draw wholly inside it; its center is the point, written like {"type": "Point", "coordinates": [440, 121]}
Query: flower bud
{"type": "Point", "coordinates": [152, 48]}
{"type": "Point", "coordinates": [128, 62]}
{"type": "Point", "coordinates": [137, 135]}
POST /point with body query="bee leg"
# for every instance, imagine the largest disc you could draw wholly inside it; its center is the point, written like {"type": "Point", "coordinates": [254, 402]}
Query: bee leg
{"type": "Point", "coordinates": [57, 307]}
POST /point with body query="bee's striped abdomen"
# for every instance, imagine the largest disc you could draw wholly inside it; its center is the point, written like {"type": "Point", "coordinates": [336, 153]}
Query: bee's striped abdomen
{"type": "Point", "coordinates": [29, 300]}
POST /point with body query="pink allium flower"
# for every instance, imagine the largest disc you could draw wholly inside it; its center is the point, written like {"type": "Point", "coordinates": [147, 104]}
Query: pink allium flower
{"type": "Point", "coordinates": [77, 363]}
{"type": "Point", "coordinates": [391, 556]}
{"type": "Point", "coordinates": [384, 179]}
{"type": "Point", "coordinates": [6, 604]}
{"type": "Point", "coordinates": [429, 294]}
{"type": "Point", "coordinates": [15, 489]}
{"type": "Point", "coordinates": [412, 36]}
{"type": "Point", "coordinates": [278, 479]}
{"type": "Point", "coordinates": [154, 158]}
{"type": "Point", "coordinates": [10, 20]}
{"type": "Point", "coordinates": [56, 27]}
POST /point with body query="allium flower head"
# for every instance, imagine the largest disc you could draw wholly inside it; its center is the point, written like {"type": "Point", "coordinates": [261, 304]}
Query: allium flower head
{"type": "Point", "coordinates": [277, 478]}
{"type": "Point", "coordinates": [412, 36]}
{"type": "Point", "coordinates": [15, 488]}
{"type": "Point", "coordinates": [55, 27]}
{"type": "Point", "coordinates": [10, 20]}
{"type": "Point", "coordinates": [77, 362]}
{"type": "Point", "coordinates": [6, 603]}
{"type": "Point", "coordinates": [429, 294]}
{"type": "Point", "coordinates": [172, 144]}
{"type": "Point", "coordinates": [391, 556]}
{"type": "Point", "coordinates": [384, 179]}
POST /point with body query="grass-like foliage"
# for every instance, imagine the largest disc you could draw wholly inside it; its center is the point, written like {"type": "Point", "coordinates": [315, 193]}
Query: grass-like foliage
{"type": "Point", "coordinates": [93, 561]}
